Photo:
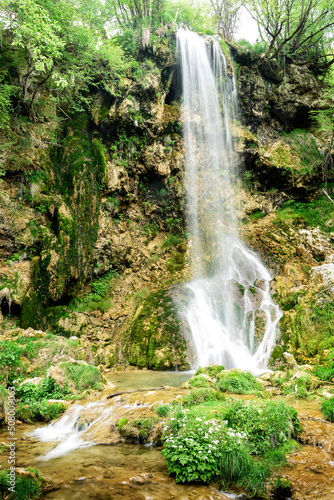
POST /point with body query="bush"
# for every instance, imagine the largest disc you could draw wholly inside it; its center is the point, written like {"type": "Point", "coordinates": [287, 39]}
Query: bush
{"type": "Point", "coordinates": [162, 410]}
{"type": "Point", "coordinates": [327, 409]}
{"type": "Point", "coordinates": [301, 387]}
{"type": "Point", "coordinates": [27, 487]}
{"type": "Point", "coordinates": [238, 382]}
{"type": "Point", "coordinates": [199, 396]}
{"type": "Point", "coordinates": [48, 388]}
{"type": "Point", "coordinates": [218, 442]}
{"type": "Point", "coordinates": [83, 376]}
{"type": "Point", "coordinates": [39, 411]}
{"type": "Point", "coordinates": [211, 370]}
{"type": "Point", "coordinates": [267, 425]}
{"type": "Point", "coordinates": [199, 381]}
{"type": "Point", "coordinates": [10, 360]}
{"type": "Point", "coordinates": [326, 371]}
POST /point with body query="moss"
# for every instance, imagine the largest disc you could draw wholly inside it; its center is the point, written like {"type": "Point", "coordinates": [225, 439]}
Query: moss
{"type": "Point", "coordinates": [121, 423]}
{"type": "Point", "coordinates": [154, 339]}
{"type": "Point", "coordinates": [79, 170]}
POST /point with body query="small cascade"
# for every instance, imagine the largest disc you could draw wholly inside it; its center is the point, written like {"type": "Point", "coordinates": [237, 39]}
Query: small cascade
{"type": "Point", "coordinates": [230, 312]}
{"type": "Point", "coordinates": [84, 425]}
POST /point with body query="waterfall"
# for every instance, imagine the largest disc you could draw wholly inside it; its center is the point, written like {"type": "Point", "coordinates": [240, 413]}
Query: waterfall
{"type": "Point", "coordinates": [230, 312]}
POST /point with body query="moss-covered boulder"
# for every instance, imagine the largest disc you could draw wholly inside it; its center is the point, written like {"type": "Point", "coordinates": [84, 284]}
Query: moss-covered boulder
{"type": "Point", "coordinates": [154, 338]}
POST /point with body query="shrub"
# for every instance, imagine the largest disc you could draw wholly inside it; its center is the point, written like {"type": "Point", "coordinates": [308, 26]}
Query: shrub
{"type": "Point", "coordinates": [267, 425]}
{"type": "Point", "coordinates": [27, 487]}
{"type": "Point", "coordinates": [238, 382]}
{"type": "Point", "coordinates": [211, 370]}
{"type": "Point", "coordinates": [199, 381]}
{"type": "Point", "coordinates": [301, 387]}
{"type": "Point", "coordinates": [326, 371]}
{"type": "Point", "coordinates": [39, 411]}
{"type": "Point", "coordinates": [10, 360]}
{"type": "Point", "coordinates": [199, 396]}
{"type": "Point", "coordinates": [327, 409]}
{"type": "Point", "coordinates": [162, 410]}
{"type": "Point", "coordinates": [82, 375]}
{"type": "Point", "coordinates": [218, 442]}
{"type": "Point", "coordinates": [48, 388]}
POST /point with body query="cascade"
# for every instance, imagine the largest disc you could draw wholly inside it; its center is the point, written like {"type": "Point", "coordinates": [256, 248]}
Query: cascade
{"type": "Point", "coordinates": [230, 312]}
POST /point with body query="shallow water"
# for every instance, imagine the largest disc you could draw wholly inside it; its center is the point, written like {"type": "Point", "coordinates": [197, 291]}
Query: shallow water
{"type": "Point", "coordinates": [138, 472]}
{"type": "Point", "coordinates": [147, 379]}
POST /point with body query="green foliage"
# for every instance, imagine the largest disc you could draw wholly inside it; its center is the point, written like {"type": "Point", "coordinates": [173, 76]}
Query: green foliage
{"type": "Point", "coordinates": [303, 31]}
{"type": "Point", "coordinates": [192, 15]}
{"type": "Point", "coordinates": [6, 93]}
{"type": "Point", "coordinates": [48, 388]}
{"type": "Point", "coordinates": [163, 410]}
{"type": "Point", "coordinates": [327, 409]}
{"type": "Point", "coordinates": [267, 425]}
{"type": "Point", "coordinates": [211, 370]}
{"type": "Point", "coordinates": [10, 360]}
{"type": "Point", "coordinates": [218, 443]}
{"type": "Point", "coordinates": [199, 396]}
{"type": "Point", "coordinates": [199, 381]}
{"type": "Point", "coordinates": [39, 411]}
{"type": "Point", "coordinates": [326, 371]}
{"type": "Point", "coordinates": [27, 487]}
{"type": "Point", "coordinates": [83, 375]}
{"type": "Point", "coordinates": [255, 49]}
{"type": "Point", "coordinates": [314, 214]}
{"type": "Point", "coordinates": [301, 387]}
{"type": "Point", "coordinates": [238, 382]}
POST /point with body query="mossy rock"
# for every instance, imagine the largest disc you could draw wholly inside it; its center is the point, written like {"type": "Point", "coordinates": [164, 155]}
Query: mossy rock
{"type": "Point", "coordinates": [154, 339]}
{"type": "Point", "coordinates": [79, 172]}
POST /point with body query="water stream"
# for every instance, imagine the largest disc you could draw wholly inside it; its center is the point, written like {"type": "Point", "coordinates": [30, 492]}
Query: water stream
{"type": "Point", "coordinates": [230, 312]}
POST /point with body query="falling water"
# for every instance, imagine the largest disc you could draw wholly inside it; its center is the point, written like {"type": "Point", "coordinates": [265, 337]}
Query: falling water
{"type": "Point", "coordinates": [230, 312]}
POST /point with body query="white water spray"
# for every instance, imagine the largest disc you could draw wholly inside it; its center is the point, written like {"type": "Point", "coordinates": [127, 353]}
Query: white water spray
{"type": "Point", "coordinates": [230, 310]}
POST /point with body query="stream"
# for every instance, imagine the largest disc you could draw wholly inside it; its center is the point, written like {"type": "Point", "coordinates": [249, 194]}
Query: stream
{"type": "Point", "coordinates": [138, 472]}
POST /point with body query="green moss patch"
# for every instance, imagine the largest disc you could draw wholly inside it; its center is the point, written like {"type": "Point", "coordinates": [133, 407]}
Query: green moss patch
{"type": "Point", "coordinates": [154, 339]}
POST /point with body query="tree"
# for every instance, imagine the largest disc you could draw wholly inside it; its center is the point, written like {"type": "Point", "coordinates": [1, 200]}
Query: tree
{"type": "Point", "coordinates": [301, 30]}
{"type": "Point", "coordinates": [35, 38]}
{"type": "Point", "coordinates": [59, 46]}
{"type": "Point", "coordinates": [226, 14]}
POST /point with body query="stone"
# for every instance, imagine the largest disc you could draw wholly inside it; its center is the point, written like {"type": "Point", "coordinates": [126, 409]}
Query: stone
{"type": "Point", "coordinates": [290, 360]}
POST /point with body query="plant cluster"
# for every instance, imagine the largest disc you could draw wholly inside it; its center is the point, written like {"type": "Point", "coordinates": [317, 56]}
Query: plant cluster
{"type": "Point", "coordinates": [327, 409]}
{"type": "Point", "coordinates": [238, 382]}
{"type": "Point", "coordinates": [27, 486]}
{"type": "Point", "coordinates": [83, 376]}
{"type": "Point", "coordinates": [220, 441]}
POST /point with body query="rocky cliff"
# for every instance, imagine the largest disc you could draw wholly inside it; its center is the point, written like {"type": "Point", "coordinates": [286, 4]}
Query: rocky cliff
{"type": "Point", "coordinates": [93, 237]}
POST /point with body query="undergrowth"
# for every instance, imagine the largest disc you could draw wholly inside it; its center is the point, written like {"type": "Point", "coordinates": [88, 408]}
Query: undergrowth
{"type": "Point", "coordinates": [234, 443]}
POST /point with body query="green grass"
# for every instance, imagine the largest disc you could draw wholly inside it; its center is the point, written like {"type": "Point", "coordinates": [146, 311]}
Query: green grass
{"type": "Point", "coordinates": [238, 382]}
{"type": "Point", "coordinates": [327, 409]}
{"type": "Point", "coordinates": [326, 371]}
{"type": "Point", "coordinates": [314, 214]}
{"type": "Point", "coordinates": [199, 381]}
{"type": "Point", "coordinates": [82, 375]}
{"type": "Point", "coordinates": [39, 411]}
{"type": "Point", "coordinates": [238, 444]}
{"type": "Point", "coordinates": [27, 487]}
{"type": "Point", "coordinates": [306, 147]}
{"type": "Point", "coordinates": [16, 355]}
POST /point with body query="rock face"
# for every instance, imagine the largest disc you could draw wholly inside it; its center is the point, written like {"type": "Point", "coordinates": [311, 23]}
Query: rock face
{"type": "Point", "coordinates": [92, 230]}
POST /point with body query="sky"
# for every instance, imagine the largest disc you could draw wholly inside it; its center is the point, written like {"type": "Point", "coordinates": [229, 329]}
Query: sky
{"type": "Point", "coordinates": [247, 27]}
